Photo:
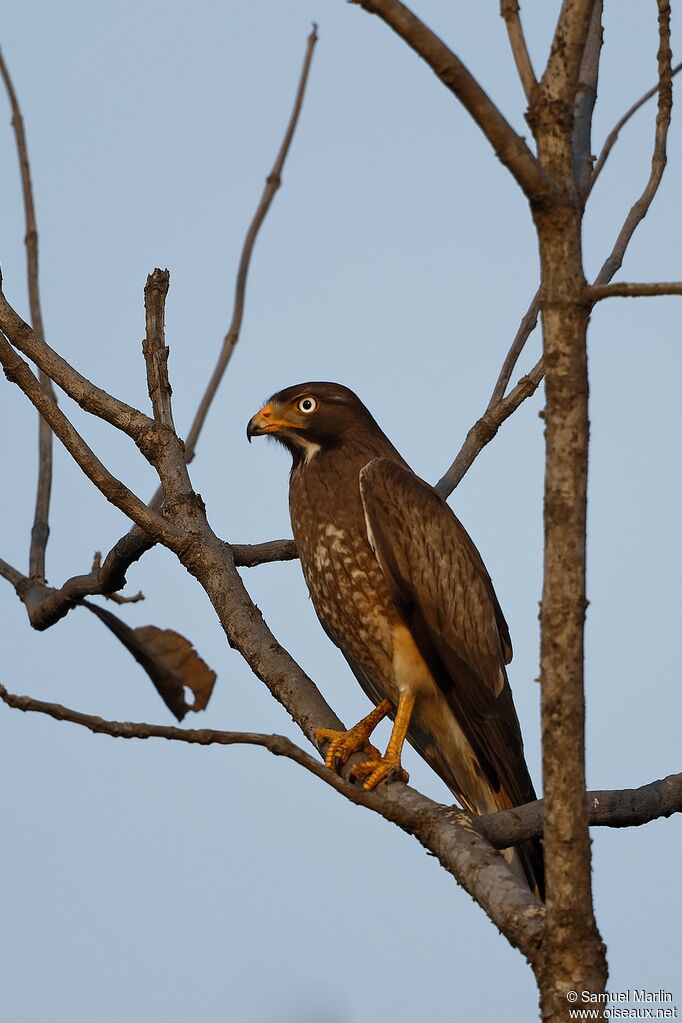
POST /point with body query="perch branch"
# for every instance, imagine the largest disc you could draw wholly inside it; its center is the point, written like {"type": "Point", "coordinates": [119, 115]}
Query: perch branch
{"type": "Point", "coordinates": [460, 849]}
{"type": "Point", "coordinates": [611, 808]}
{"type": "Point", "coordinates": [406, 807]}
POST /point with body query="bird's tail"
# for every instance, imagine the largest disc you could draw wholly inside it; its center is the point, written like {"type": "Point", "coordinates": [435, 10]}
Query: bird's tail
{"type": "Point", "coordinates": [527, 858]}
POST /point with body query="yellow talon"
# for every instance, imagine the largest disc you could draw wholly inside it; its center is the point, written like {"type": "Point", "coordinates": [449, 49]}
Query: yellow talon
{"type": "Point", "coordinates": [378, 769]}
{"type": "Point", "coordinates": [342, 745]}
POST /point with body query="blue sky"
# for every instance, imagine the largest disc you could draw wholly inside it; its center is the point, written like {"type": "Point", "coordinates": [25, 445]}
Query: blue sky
{"type": "Point", "coordinates": [147, 881]}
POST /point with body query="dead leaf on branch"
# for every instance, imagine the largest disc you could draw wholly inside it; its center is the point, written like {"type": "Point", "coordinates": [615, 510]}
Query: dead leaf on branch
{"type": "Point", "coordinates": [169, 659]}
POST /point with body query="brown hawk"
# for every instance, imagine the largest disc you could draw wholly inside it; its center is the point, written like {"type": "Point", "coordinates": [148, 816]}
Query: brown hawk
{"type": "Point", "coordinates": [400, 588]}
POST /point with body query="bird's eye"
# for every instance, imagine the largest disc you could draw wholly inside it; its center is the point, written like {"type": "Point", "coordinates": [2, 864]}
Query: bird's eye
{"type": "Point", "coordinates": [307, 404]}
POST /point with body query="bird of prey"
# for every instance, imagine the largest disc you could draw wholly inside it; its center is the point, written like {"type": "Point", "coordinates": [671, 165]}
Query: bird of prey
{"type": "Point", "coordinates": [400, 588]}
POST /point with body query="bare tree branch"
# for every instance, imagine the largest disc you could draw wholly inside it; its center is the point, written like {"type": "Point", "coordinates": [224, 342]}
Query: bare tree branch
{"type": "Point", "coordinates": [248, 555]}
{"type": "Point", "coordinates": [526, 328]}
{"type": "Point", "coordinates": [483, 431]}
{"type": "Point", "coordinates": [155, 350]}
{"type": "Point", "coordinates": [613, 808]}
{"type": "Point", "coordinates": [509, 10]}
{"type": "Point", "coordinates": [90, 398]}
{"type": "Point", "coordinates": [118, 598]}
{"type": "Point", "coordinates": [610, 808]}
{"type": "Point", "coordinates": [659, 158]}
{"type": "Point", "coordinates": [45, 605]}
{"type": "Point", "coordinates": [624, 290]}
{"type": "Point", "coordinates": [19, 372]}
{"type": "Point", "coordinates": [115, 598]}
{"type": "Point", "coordinates": [41, 528]}
{"type": "Point", "coordinates": [560, 80]}
{"type": "Point", "coordinates": [12, 575]}
{"type": "Point", "coordinates": [443, 831]}
{"type": "Point", "coordinates": [612, 137]}
{"type": "Point", "coordinates": [585, 99]}
{"type": "Point", "coordinates": [272, 184]}
{"type": "Point", "coordinates": [510, 148]}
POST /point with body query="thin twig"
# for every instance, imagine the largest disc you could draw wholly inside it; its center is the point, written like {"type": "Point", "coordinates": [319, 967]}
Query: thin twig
{"type": "Point", "coordinates": [526, 328]}
{"type": "Point", "coordinates": [659, 157]}
{"type": "Point", "coordinates": [155, 350]}
{"type": "Point", "coordinates": [623, 289]}
{"type": "Point", "coordinates": [118, 598]}
{"type": "Point", "coordinates": [272, 184]}
{"type": "Point", "coordinates": [45, 606]}
{"type": "Point", "coordinates": [510, 11]}
{"type": "Point", "coordinates": [91, 398]}
{"type": "Point", "coordinates": [480, 433]}
{"type": "Point", "coordinates": [483, 431]}
{"type": "Point", "coordinates": [19, 372]}
{"type": "Point", "coordinates": [41, 528]}
{"type": "Point", "coordinates": [11, 574]}
{"type": "Point", "coordinates": [612, 137]}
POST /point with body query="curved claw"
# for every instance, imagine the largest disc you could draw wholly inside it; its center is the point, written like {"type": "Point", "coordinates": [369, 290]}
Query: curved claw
{"type": "Point", "coordinates": [378, 769]}
{"type": "Point", "coordinates": [342, 745]}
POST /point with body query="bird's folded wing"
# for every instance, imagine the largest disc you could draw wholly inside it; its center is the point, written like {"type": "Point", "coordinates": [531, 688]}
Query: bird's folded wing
{"type": "Point", "coordinates": [441, 588]}
{"type": "Point", "coordinates": [433, 568]}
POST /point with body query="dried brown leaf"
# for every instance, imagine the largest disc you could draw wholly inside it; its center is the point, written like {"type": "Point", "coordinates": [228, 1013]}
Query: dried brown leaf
{"type": "Point", "coordinates": [169, 659]}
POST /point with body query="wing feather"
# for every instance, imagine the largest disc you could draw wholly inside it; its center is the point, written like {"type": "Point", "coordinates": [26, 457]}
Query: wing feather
{"type": "Point", "coordinates": [444, 593]}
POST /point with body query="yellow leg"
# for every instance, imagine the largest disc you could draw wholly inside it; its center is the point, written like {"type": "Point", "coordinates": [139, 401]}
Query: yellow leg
{"type": "Point", "coordinates": [342, 745]}
{"type": "Point", "coordinates": [375, 770]}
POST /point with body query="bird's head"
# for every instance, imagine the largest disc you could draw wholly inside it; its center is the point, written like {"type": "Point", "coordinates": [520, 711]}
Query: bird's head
{"type": "Point", "coordinates": [312, 417]}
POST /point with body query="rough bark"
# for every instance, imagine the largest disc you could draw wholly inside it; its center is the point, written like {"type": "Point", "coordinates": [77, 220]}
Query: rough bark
{"type": "Point", "coordinates": [573, 955]}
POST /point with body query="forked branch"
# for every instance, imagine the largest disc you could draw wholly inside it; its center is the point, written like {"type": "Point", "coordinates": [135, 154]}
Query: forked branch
{"type": "Point", "coordinates": [512, 151]}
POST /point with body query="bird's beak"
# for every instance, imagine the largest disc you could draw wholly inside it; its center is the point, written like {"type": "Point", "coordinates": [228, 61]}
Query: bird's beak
{"type": "Point", "coordinates": [267, 421]}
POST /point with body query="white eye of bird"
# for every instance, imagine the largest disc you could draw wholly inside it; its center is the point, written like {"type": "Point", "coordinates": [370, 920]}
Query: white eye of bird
{"type": "Point", "coordinates": [307, 404]}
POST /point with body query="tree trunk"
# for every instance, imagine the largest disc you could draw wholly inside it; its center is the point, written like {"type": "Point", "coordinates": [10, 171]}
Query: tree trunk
{"type": "Point", "coordinates": [573, 955]}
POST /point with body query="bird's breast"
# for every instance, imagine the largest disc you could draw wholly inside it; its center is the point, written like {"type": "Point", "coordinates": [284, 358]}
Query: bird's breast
{"type": "Point", "coordinates": [344, 579]}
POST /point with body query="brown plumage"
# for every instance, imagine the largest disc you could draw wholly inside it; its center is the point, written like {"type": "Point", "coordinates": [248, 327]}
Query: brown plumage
{"type": "Point", "coordinates": [400, 588]}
